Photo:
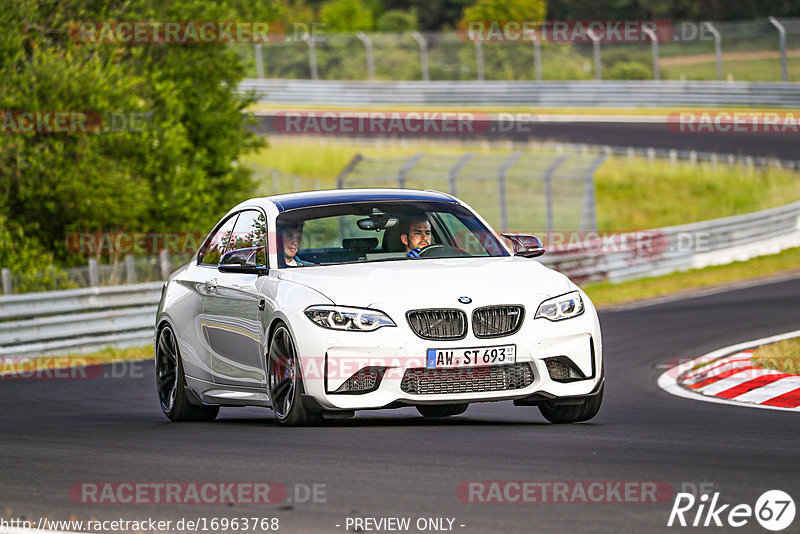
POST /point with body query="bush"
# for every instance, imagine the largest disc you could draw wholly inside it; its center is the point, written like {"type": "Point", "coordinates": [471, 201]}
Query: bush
{"type": "Point", "coordinates": [629, 70]}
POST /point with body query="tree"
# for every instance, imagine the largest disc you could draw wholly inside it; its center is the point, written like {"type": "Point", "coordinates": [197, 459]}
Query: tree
{"type": "Point", "coordinates": [506, 10]}
{"type": "Point", "coordinates": [396, 21]}
{"type": "Point", "coordinates": [176, 171]}
{"type": "Point", "coordinates": [346, 16]}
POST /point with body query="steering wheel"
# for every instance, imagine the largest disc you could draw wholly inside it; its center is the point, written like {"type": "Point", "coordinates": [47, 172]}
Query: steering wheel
{"type": "Point", "coordinates": [442, 251]}
{"type": "Point", "coordinates": [424, 251]}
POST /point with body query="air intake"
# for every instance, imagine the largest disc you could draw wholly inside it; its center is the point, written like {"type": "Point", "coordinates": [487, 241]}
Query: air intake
{"type": "Point", "coordinates": [466, 380]}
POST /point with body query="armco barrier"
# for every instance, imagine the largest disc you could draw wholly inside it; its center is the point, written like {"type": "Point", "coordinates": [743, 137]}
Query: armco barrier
{"type": "Point", "coordinates": [79, 320]}
{"type": "Point", "coordinates": [684, 247]}
{"type": "Point", "coordinates": [626, 94]}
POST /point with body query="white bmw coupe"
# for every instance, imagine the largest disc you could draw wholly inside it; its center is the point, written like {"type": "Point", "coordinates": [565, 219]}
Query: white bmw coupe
{"type": "Point", "coordinates": [319, 304]}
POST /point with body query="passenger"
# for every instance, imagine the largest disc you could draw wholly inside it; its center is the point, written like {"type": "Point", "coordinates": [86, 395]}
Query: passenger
{"type": "Point", "coordinates": [291, 235]}
{"type": "Point", "coordinates": [415, 234]}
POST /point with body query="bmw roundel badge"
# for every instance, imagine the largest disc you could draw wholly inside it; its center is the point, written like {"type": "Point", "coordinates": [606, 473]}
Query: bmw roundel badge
{"type": "Point", "coordinates": [464, 300]}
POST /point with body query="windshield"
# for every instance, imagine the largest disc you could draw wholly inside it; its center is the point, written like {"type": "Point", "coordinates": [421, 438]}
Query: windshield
{"type": "Point", "coordinates": [381, 231]}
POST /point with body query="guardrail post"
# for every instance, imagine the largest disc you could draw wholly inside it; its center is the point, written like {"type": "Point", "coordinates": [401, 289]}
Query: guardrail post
{"type": "Point", "coordinates": [479, 59]}
{"type": "Point", "coordinates": [164, 264]}
{"type": "Point", "coordinates": [501, 186]}
{"type": "Point", "coordinates": [782, 41]}
{"type": "Point", "coordinates": [259, 59]}
{"type": "Point", "coordinates": [717, 47]}
{"type": "Point", "coordinates": [548, 191]}
{"type": "Point", "coordinates": [713, 160]}
{"type": "Point", "coordinates": [312, 57]}
{"type": "Point", "coordinates": [130, 268]}
{"type": "Point", "coordinates": [651, 155]}
{"type": "Point", "coordinates": [94, 273]}
{"type": "Point", "coordinates": [364, 38]}
{"type": "Point", "coordinates": [654, 40]}
{"type": "Point", "coordinates": [423, 55]}
{"type": "Point", "coordinates": [598, 59]}
{"type": "Point", "coordinates": [347, 170]}
{"type": "Point", "coordinates": [673, 157]}
{"type": "Point", "coordinates": [453, 175]}
{"type": "Point", "coordinates": [8, 287]}
{"type": "Point", "coordinates": [401, 175]}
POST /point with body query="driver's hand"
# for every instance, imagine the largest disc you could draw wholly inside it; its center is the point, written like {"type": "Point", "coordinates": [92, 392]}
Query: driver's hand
{"type": "Point", "coordinates": [414, 253]}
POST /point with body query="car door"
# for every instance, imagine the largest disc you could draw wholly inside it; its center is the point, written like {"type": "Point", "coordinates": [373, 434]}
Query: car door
{"type": "Point", "coordinates": [187, 309]}
{"type": "Point", "coordinates": [231, 310]}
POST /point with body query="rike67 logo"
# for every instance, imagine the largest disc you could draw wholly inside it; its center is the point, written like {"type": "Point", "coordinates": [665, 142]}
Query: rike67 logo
{"type": "Point", "coordinates": [774, 510]}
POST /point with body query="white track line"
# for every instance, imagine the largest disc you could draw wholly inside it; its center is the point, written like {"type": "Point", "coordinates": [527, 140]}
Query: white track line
{"type": "Point", "coordinates": [668, 380]}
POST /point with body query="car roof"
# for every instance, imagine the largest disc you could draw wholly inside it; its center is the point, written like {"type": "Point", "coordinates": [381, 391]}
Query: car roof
{"type": "Point", "coordinates": [309, 199]}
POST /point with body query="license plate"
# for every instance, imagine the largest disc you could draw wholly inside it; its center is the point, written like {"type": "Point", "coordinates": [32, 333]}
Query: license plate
{"type": "Point", "coordinates": [471, 357]}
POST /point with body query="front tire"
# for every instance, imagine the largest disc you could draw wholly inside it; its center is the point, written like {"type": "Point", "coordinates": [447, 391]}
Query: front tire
{"type": "Point", "coordinates": [171, 383]}
{"type": "Point", "coordinates": [573, 413]}
{"type": "Point", "coordinates": [286, 382]}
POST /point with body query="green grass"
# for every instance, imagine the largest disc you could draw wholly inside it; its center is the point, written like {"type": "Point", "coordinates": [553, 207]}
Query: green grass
{"type": "Point", "coordinates": [783, 356]}
{"type": "Point", "coordinates": [631, 195]}
{"type": "Point", "coordinates": [747, 70]}
{"type": "Point", "coordinates": [639, 195]}
{"type": "Point", "coordinates": [606, 294]}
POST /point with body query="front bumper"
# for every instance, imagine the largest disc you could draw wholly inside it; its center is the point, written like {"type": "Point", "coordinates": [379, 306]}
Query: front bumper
{"type": "Point", "coordinates": [329, 358]}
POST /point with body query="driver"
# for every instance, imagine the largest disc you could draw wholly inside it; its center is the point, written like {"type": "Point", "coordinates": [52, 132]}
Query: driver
{"type": "Point", "coordinates": [291, 235]}
{"type": "Point", "coordinates": [415, 234]}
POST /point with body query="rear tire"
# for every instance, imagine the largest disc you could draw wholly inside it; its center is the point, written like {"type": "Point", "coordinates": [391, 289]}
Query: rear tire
{"type": "Point", "coordinates": [441, 410]}
{"type": "Point", "coordinates": [286, 381]}
{"type": "Point", "coordinates": [573, 413]}
{"type": "Point", "coordinates": [171, 383]}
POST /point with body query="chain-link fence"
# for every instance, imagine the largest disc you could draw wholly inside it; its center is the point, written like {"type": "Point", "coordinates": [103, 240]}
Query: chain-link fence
{"type": "Point", "coordinates": [757, 50]}
{"type": "Point", "coordinates": [521, 191]}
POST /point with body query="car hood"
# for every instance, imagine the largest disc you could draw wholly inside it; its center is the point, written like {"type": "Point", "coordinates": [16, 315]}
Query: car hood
{"type": "Point", "coordinates": [432, 282]}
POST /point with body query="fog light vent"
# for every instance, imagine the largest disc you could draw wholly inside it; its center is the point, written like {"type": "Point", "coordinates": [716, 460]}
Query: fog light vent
{"type": "Point", "coordinates": [363, 381]}
{"type": "Point", "coordinates": [562, 369]}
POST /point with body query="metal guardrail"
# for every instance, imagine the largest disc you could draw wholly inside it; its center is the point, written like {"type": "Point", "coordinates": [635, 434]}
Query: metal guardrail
{"type": "Point", "coordinates": [678, 248]}
{"type": "Point", "coordinates": [81, 320]}
{"type": "Point", "coordinates": [625, 94]}
{"type": "Point", "coordinates": [77, 320]}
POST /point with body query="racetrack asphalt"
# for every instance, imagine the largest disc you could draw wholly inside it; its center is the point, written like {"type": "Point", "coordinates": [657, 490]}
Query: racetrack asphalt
{"type": "Point", "coordinates": [643, 134]}
{"type": "Point", "coordinates": [56, 433]}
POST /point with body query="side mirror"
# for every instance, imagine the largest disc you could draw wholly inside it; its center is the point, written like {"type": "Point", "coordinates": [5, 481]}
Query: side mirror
{"type": "Point", "coordinates": [243, 260]}
{"type": "Point", "coordinates": [527, 246]}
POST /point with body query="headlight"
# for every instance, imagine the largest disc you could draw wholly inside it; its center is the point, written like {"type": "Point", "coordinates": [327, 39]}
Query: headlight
{"type": "Point", "coordinates": [560, 308]}
{"type": "Point", "coordinates": [345, 318]}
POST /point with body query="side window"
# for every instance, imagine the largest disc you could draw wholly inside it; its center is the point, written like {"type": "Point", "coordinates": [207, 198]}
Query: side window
{"type": "Point", "coordinates": [217, 243]}
{"type": "Point", "coordinates": [250, 232]}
